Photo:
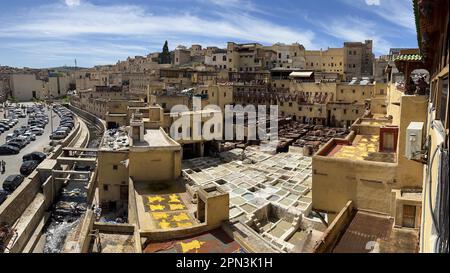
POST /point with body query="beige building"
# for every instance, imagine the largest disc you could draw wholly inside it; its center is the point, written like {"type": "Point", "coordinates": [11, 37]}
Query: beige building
{"type": "Point", "coordinates": [289, 56]}
{"type": "Point", "coordinates": [330, 60]}
{"type": "Point", "coordinates": [26, 87]}
{"type": "Point", "coordinates": [358, 59]}
{"type": "Point", "coordinates": [435, 58]}
{"type": "Point", "coordinates": [245, 57]}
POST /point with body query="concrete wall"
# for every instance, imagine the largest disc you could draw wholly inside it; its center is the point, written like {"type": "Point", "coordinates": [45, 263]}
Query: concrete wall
{"type": "Point", "coordinates": [335, 229]}
{"type": "Point", "coordinates": [23, 86]}
{"type": "Point", "coordinates": [154, 165]}
{"type": "Point", "coordinates": [367, 184]}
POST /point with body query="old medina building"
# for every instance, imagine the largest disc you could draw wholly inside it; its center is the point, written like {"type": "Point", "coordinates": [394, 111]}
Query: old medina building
{"type": "Point", "coordinates": [387, 182]}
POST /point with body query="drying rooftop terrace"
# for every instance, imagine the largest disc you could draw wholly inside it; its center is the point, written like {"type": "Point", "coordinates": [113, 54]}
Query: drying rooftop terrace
{"type": "Point", "coordinates": [363, 147]}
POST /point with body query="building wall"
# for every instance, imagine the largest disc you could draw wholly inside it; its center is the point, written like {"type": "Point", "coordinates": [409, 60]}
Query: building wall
{"type": "Point", "coordinates": [181, 57]}
{"type": "Point", "coordinates": [367, 184]}
{"type": "Point", "coordinates": [109, 178]}
{"type": "Point", "coordinates": [154, 165]}
{"type": "Point", "coordinates": [23, 86]}
{"type": "Point", "coordinates": [58, 86]}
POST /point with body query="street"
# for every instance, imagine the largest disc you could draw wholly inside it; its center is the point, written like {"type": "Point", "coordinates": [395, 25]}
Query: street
{"type": "Point", "coordinates": [13, 162]}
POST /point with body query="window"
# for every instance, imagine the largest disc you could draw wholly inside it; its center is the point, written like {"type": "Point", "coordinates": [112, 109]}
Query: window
{"type": "Point", "coordinates": [224, 58]}
{"type": "Point", "coordinates": [214, 58]}
{"type": "Point", "coordinates": [105, 187]}
{"type": "Point", "coordinates": [281, 103]}
{"type": "Point", "coordinates": [279, 55]}
{"type": "Point", "coordinates": [345, 111]}
{"type": "Point", "coordinates": [299, 109]}
{"type": "Point", "coordinates": [342, 91]}
{"type": "Point", "coordinates": [353, 91]}
{"type": "Point", "coordinates": [115, 167]}
{"type": "Point", "coordinates": [290, 104]}
{"type": "Point", "coordinates": [224, 94]}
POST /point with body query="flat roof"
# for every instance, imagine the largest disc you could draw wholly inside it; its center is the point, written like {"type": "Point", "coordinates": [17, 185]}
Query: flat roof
{"type": "Point", "coordinates": [155, 138]}
{"type": "Point", "coordinates": [163, 206]}
{"type": "Point", "coordinates": [301, 74]}
{"type": "Point", "coordinates": [364, 147]}
{"type": "Point", "coordinates": [215, 241]}
{"type": "Point", "coordinates": [369, 232]}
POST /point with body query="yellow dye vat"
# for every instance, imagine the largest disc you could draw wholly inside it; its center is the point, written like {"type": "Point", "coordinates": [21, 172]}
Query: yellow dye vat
{"type": "Point", "coordinates": [366, 145]}
{"type": "Point", "coordinates": [155, 199]}
{"type": "Point", "coordinates": [194, 245]}
{"type": "Point", "coordinates": [176, 206]}
{"type": "Point", "coordinates": [160, 215]}
{"type": "Point", "coordinates": [156, 207]}
{"type": "Point", "coordinates": [174, 199]}
{"type": "Point", "coordinates": [180, 217]}
{"type": "Point", "coordinates": [184, 224]}
{"type": "Point", "coordinates": [164, 224]}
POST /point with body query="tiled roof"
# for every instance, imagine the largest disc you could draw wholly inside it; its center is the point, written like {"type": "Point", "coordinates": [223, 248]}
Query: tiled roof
{"type": "Point", "coordinates": [409, 57]}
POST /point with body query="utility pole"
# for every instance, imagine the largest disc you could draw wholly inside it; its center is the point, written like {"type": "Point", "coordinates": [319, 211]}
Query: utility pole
{"type": "Point", "coordinates": [51, 120]}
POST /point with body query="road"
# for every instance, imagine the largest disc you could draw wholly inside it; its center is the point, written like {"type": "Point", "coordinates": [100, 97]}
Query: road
{"type": "Point", "coordinates": [13, 162]}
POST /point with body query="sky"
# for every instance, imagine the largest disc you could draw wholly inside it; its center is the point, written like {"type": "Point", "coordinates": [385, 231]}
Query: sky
{"type": "Point", "coordinates": [51, 33]}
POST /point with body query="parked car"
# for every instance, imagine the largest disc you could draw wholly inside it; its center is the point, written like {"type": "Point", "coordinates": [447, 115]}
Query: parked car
{"type": "Point", "coordinates": [82, 168]}
{"type": "Point", "coordinates": [24, 139]}
{"type": "Point", "coordinates": [37, 131]}
{"type": "Point", "coordinates": [28, 167]}
{"type": "Point", "coordinates": [12, 182]}
{"type": "Point", "coordinates": [8, 150]}
{"type": "Point", "coordinates": [36, 156]}
{"type": "Point", "coordinates": [3, 196]}
{"type": "Point", "coordinates": [30, 136]}
{"type": "Point", "coordinates": [57, 135]}
{"type": "Point", "coordinates": [15, 145]}
{"type": "Point", "coordinates": [9, 137]}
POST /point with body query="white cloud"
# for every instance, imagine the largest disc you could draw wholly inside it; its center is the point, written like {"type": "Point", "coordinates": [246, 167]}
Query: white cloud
{"type": "Point", "coordinates": [73, 3]}
{"type": "Point", "coordinates": [357, 29]}
{"type": "Point", "coordinates": [127, 20]}
{"type": "Point", "coordinates": [373, 2]}
{"type": "Point", "coordinates": [102, 29]}
{"type": "Point", "coordinates": [397, 12]}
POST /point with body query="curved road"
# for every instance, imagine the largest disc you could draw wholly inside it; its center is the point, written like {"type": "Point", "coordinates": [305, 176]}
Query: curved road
{"type": "Point", "coordinates": [13, 162]}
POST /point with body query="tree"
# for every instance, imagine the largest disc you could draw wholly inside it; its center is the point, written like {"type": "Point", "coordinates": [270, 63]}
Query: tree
{"type": "Point", "coordinates": [164, 58]}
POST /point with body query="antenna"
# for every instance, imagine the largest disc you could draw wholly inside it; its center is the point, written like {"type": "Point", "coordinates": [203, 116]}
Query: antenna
{"type": "Point", "coordinates": [75, 63]}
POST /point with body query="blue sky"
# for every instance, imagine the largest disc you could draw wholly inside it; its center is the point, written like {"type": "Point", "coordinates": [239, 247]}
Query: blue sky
{"type": "Point", "coordinates": [47, 33]}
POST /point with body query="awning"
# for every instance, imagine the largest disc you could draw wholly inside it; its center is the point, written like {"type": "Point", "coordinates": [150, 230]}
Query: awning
{"type": "Point", "coordinates": [301, 74]}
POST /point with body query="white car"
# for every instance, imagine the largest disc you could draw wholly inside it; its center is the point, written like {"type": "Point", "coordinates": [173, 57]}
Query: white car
{"type": "Point", "coordinates": [24, 138]}
{"type": "Point", "coordinates": [37, 131]}
{"type": "Point", "coordinates": [30, 136]}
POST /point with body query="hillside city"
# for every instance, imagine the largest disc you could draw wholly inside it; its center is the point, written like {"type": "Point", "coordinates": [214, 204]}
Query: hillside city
{"type": "Point", "coordinates": [333, 150]}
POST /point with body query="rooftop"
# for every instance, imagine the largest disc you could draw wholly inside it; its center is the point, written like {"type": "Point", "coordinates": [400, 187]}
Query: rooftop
{"type": "Point", "coordinates": [363, 147]}
{"type": "Point", "coordinates": [369, 232]}
{"type": "Point", "coordinates": [156, 138]}
{"type": "Point", "coordinates": [216, 241]}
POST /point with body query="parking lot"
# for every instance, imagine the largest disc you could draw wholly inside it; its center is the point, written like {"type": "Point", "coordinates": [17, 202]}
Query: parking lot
{"type": "Point", "coordinates": [13, 162]}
